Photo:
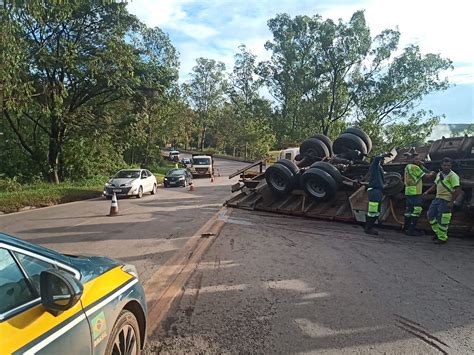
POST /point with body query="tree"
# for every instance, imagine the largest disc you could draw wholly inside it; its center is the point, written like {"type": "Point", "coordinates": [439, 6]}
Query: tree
{"type": "Point", "coordinates": [250, 111]}
{"type": "Point", "coordinates": [68, 61]}
{"type": "Point", "coordinates": [206, 91]}
{"type": "Point", "coordinates": [324, 74]}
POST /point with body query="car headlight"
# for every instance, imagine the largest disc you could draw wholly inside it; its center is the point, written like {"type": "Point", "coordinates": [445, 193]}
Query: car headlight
{"type": "Point", "coordinates": [165, 179]}
{"type": "Point", "coordinates": [130, 269]}
{"type": "Point", "coordinates": [181, 178]}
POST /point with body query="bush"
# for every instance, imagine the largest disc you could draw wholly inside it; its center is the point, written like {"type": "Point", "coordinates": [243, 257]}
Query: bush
{"type": "Point", "coordinates": [10, 184]}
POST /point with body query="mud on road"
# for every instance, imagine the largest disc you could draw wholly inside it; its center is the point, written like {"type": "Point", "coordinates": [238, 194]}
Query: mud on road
{"type": "Point", "coordinates": [277, 284]}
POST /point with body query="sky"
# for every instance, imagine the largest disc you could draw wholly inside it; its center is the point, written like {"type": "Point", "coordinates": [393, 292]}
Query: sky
{"type": "Point", "coordinates": [215, 28]}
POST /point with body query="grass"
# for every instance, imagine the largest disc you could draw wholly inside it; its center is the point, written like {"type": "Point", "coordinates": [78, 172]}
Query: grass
{"type": "Point", "coordinates": [44, 194]}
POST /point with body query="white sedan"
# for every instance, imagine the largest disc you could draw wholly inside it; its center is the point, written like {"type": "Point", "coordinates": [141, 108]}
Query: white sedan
{"type": "Point", "coordinates": [131, 182]}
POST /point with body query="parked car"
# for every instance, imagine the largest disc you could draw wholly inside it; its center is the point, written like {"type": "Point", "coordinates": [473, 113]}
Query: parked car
{"type": "Point", "coordinates": [53, 303]}
{"type": "Point", "coordinates": [178, 177]}
{"type": "Point", "coordinates": [131, 182]}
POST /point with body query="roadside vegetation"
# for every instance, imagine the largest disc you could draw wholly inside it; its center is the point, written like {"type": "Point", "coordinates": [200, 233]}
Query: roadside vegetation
{"type": "Point", "coordinates": [87, 89]}
{"type": "Point", "coordinates": [15, 196]}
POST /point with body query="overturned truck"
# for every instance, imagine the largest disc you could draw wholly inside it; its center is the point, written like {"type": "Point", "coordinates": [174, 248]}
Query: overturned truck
{"type": "Point", "coordinates": [329, 179]}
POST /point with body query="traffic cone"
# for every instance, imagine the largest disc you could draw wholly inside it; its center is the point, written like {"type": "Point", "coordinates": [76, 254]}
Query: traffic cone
{"type": "Point", "coordinates": [114, 207]}
{"type": "Point", "coordinates": [191, 187]}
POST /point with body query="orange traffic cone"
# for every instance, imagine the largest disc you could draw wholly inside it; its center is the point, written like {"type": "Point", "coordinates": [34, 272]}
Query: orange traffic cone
{"type": "Point", "coordinates": [191, 187]}
{"type": "Point", "coordinates": [114, 207]}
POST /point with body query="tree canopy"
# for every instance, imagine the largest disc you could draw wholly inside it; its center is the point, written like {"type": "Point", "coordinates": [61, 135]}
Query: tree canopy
{"type": "Point", "coordinates": [85, 88]}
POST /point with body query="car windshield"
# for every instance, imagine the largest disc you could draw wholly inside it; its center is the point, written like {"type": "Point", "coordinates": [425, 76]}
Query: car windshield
{"type": "Point", "coordinates": [201, 161]}
{"type": "Point", "coordinates": [127, 174]}
{"type": "Point", "coordinates": [176, 172]}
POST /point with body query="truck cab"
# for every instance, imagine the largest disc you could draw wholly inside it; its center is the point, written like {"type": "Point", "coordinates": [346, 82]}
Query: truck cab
{"type": "Point", "coordinates": [288, 153]}
{"type": "Point", "coordinates": [174, 156]}
{"type": "Point", "coordinates": [202, 165]}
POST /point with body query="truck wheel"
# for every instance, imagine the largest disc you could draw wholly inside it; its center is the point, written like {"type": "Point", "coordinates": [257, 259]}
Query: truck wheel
{"type": "Point", "coordinates": [325, 140]}
{"type": "Point", "coordinates": [319, 184]}
{"type": "Point", "coordinates": [362, 135]}
{"type": "Point", "coordinates": [280, 179]}
{"type": "Point", "coordinates": [393, 184]}
{"type": "Point", "coordinates": [330, 169]}
{"type": "Point", "coordinates": [313, 147]}
{"type": "Point", "coordinates": [289, 164]}
{"type": "Point", "coordinates": [347, 142]}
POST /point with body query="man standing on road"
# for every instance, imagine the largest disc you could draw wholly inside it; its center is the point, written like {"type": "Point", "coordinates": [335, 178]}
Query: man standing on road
{"type": "Point", "coordinates": [448, 189]}
{"type": "Point", "coordinates": [375, 192]}
{"type": "Point", "coordinates": [414, 174]}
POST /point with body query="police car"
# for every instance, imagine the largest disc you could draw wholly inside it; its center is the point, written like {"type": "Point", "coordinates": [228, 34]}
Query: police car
{"type": "Point", "coordinates": [52, 303]}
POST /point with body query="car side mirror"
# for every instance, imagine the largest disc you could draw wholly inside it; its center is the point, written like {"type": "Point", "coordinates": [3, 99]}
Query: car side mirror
{"type": "Point", "coordinates": [59, 290]}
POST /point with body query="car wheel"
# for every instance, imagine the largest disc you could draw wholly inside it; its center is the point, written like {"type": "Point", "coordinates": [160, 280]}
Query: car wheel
{"type": "Point", "coordinates": [280, 179]}
{"type": "Point", "coordinates": [140, 192]}
{"type": "Point", "coordinates": [153, 191]}
{"type": "Point", "coordinates": [319, 184]}
{"type": "Point", "coordinates": [125, 335]}
{"type": "Point", "coordinates": [362, 135]}
{"type": "Point", "coordinates": [330, 169]}
{"type": "Point", "coordinates": [185, 183]}
{"type": "Point", "coordinates": [290, 165]}
{"type": "Point", "coordinates": [347, 142]}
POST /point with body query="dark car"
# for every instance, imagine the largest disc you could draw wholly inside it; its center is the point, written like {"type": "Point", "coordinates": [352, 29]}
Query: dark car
{"type": "Point", "coordinates": [177, 177]}
{"type": "Point", "coordinates": [53, 303]}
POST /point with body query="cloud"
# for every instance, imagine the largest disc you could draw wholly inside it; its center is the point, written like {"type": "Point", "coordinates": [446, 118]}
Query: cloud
{"type": "Point", "coordinates": [217, 27]}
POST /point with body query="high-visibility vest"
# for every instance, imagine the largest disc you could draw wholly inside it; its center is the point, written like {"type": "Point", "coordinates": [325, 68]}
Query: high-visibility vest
{"type": "Point", "coordinates": [446, 186]}
{"type": "Point", "coordinates": [413, 180]}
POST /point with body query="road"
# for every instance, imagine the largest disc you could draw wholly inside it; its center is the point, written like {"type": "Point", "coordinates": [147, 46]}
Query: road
{"type": "Point", "coordinates": [147, 233]}
{"type": "Point", "coordinates": [274, 284]}
{"type": "Point", "coordinates": [270, 283]}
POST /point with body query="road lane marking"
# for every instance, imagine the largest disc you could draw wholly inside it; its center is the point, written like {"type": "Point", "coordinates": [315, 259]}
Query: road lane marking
{"type": "Point", "coordinates": [166, 284]}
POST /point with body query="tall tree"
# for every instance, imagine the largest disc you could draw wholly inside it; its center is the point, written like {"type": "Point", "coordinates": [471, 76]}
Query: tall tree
{"type": "Point", "coordinates": [324, 74]}
{"type": "Point", "coordinates": [206, 92]}
{"type": "Point", "coordinates": [250, 111]}
{"type": "Point", "coordinates": [72, 59]}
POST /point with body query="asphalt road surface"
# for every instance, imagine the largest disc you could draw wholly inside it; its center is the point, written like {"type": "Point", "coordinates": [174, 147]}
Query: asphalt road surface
{"type": "Point", "coordinates": [271, 283]}
{"type": "Point", "coordinates": [147, 232]}
{"type": "Point", "coordinates": [277, 284]}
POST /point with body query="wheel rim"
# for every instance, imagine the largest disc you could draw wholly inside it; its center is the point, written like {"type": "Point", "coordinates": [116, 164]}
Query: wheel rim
{"type": "Point", "coordinates": [278, 182]}
{"type": "Point", "coordinates": [315, 189]}
{"type": "Point", "coordinates": [125, 342]}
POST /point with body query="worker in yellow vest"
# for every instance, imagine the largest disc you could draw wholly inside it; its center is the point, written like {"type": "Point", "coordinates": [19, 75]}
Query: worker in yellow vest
{"type": "Point", "coordinates": [448, 188]}
{"type": "Point", "coordinates": [414, 174]}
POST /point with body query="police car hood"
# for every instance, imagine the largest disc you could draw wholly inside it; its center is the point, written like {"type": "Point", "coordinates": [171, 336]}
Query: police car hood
{"type": "Point", "coordinates": [91, 267]}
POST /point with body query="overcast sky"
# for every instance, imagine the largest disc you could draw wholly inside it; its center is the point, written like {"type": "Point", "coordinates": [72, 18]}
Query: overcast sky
{"type": "Point", "coordinates": [215, 28]}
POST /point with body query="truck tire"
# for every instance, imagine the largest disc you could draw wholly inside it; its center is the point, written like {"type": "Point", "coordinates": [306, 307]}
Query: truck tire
{"type": "Point", "coordinates": [289, 164]}
{"type": "Point", "coordinates": [347, 142]}
{"type": "Point", "coordinates": [318, 184]}
{"type": "Point", "coordinates": [325, 140]}
{"type": "Point", "coordinates": [280, 179]}
{"type": "Point", "coordinates": [330, 169]}
{"type": "Point", "coordinates": [313, 147]}
{"type": "Point", "coordinates": [362, 135]}
{"type": "Point", "coordinates": [393, 184]}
